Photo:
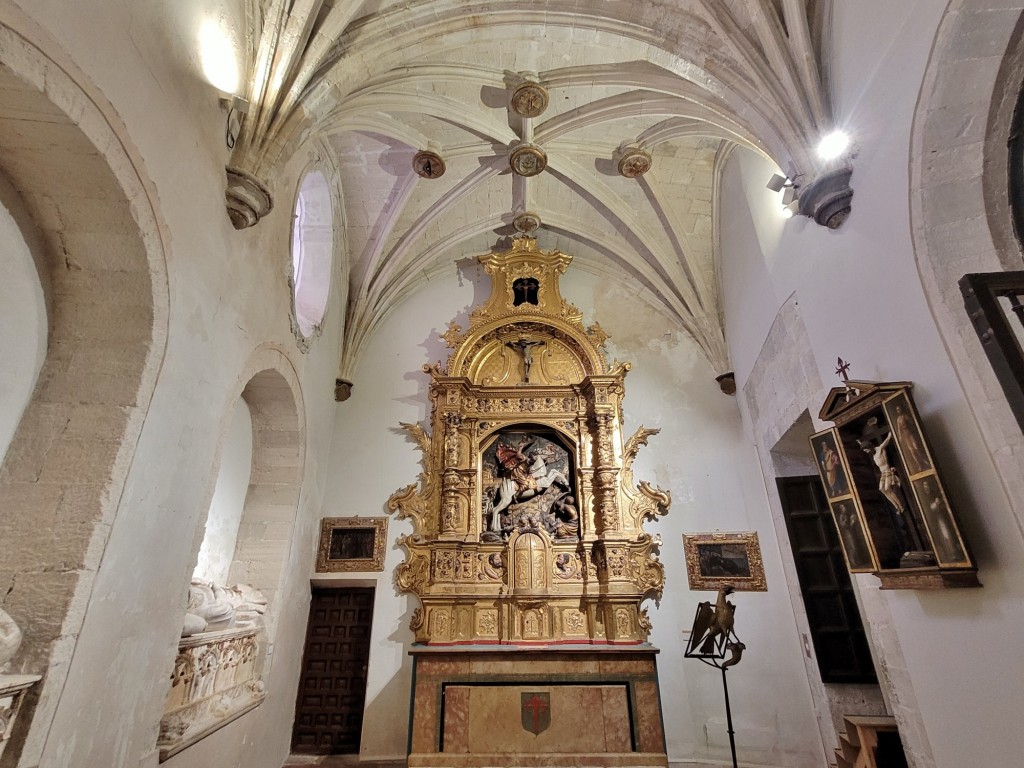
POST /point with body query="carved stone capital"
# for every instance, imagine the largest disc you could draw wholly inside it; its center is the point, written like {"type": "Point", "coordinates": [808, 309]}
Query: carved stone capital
{"type": "Point", "coordinates": [828, 198]}
{"type": "Point", "coordinates": [248, 198]}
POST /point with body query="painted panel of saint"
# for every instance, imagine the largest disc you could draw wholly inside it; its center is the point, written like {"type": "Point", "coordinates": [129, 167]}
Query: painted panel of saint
{"type": "Point", "coordinates": [900, 414]}
{"type": "Point", "coordinates": [830, 465]}
{"type": "Point", "coordinates": [948, 547]}
{"type": "Point", "coordinates": [851, 536]}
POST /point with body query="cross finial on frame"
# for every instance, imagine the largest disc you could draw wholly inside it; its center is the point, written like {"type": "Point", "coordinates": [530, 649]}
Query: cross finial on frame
{"type": "Point", "coordinates": [842, 369]}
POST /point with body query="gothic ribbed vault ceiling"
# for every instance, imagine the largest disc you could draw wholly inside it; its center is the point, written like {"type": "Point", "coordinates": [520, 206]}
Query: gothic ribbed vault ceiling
{"type": "Point", "coordinates": [372, 83]}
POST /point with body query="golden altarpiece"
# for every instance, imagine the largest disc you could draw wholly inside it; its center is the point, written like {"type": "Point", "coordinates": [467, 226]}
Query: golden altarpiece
{"type": "Point", "coordinates": [528, 553]}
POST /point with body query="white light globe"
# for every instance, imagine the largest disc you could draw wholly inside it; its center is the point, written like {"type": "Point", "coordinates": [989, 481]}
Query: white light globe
{"type": "Point", "coordinates": [833, 145]}
{"type": "Point", "coordinates": [787, 212]}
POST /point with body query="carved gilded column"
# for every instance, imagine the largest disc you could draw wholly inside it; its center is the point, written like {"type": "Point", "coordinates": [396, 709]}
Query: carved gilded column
{"type": "Point", "coordinates": [604, 421]}
{"type": "Point", "coordinates": [606, 476]}
{"type": "Point", "coordinates": [451, 518]}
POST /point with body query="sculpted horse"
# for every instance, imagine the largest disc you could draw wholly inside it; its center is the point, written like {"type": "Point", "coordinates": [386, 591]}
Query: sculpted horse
{"type": "Point", "coordinates": [525, 477]}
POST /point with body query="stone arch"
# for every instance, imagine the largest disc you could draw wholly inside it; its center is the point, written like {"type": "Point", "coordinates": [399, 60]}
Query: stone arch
{"type": "Point", "coordinates": [270, 388]}
{"type": "Point", "coordinates": [960, 214]}
{"type": "Point", "coordinates": [67, 157]}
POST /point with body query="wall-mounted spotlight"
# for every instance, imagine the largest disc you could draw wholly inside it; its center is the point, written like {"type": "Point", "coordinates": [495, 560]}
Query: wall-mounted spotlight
{"type": "Point", "coordinates": [833, 145]}
{"type": "Point", "coordinates": [788, 187]}
{"type": "Point", "coordinates": [777, 182]}
{"type": "Point", "coordinates": [790, 209]}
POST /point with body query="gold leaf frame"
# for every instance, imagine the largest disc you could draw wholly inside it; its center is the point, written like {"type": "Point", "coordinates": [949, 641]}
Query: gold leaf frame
{"type": "Point", "coordinates": [699, 580]}
{"type": "Point", "coordinates": [326, 564]}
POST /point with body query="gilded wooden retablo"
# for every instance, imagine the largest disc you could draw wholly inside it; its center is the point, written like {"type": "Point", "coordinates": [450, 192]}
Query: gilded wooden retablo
{"type": "Point", "coordinates": [528, 526]}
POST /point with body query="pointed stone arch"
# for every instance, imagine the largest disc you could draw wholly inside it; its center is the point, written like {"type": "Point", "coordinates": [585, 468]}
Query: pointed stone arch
{"type": "Point", "coordinates": [960, 215]}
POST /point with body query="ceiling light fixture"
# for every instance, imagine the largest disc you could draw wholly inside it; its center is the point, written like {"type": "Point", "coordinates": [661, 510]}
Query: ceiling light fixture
{"type": "Point", "coordinates": [788, 187]}
{"type": "Point", "coordinates": [833, 145]}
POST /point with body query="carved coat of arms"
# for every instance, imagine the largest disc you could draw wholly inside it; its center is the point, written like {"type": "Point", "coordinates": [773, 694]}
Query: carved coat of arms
{"type": "Point", "coordinates": [536, 711]}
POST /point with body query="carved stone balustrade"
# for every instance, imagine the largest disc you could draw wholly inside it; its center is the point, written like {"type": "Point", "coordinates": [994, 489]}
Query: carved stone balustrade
{"type": "Point", "coordinates": [213, 683]}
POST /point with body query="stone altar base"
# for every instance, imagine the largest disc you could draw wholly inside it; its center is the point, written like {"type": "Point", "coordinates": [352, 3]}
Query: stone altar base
{"type": "Point", "coordinates": [482, 705]}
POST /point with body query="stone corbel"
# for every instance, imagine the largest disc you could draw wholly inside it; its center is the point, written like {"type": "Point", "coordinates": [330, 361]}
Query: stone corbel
{"type": "Point", "coordinates": [248, 199]}
{"type": "Point", "coordinates": [828, 199]}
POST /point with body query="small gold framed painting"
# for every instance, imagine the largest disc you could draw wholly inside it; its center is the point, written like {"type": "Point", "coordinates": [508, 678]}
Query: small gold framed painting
{"type": "Point", "coordinates": [716, 559]}
{"type": "Point", "coordinates": [351, 544]}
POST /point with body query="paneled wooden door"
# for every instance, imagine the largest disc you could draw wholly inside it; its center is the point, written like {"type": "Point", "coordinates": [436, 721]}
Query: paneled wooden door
{"type": "Point", "coordinates": [332, 689]}
{"type": "Point", "coordinates": [836, 629]}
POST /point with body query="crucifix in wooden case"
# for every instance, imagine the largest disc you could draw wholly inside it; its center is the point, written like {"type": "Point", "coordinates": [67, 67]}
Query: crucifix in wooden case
{"type": "Point", "coordinates": [888, 499]}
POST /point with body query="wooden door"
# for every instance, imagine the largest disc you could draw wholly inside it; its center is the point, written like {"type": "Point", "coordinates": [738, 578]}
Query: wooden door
{"type": "Point", "coordinates": [836, 628]}
{"type": "Point", "coordinates": [332, 689]}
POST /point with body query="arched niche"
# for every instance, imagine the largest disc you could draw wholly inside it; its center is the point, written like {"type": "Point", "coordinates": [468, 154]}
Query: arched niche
{"type": "Point", "coordinates": [223, 657]}
{"type": "Point", "coordinates": [272, 395]}
{"type": "Point", "coordinates": [102, 263]}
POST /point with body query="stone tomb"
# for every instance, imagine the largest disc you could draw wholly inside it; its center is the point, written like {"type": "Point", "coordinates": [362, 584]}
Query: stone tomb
{"type": "Point", "coordinates": [532, 706]}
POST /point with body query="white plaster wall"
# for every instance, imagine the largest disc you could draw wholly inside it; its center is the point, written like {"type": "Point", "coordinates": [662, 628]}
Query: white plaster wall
{"type": "Point", "coordinates": [225, 513]}
{"type": "Point", "coordinates": [228, 294]}
{"type": "Point", "coordinates": [23, 327]}
{"type": "Point", "coordinates": [701, 456]}
{"type": "Point", "coordinates": [860, 297]}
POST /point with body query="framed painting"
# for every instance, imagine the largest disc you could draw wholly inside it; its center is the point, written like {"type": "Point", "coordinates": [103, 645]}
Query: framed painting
{"type": "Point", "coordinates": [716, 559]}
{"type": "Point", "coordinates": [351, 544]}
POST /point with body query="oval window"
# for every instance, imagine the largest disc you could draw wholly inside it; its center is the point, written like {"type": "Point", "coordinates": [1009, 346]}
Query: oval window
{"type": "Point", "coordinates": [312, 247]}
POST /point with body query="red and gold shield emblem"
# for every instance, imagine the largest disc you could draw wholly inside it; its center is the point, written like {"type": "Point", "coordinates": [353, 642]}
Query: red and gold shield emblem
{"type": "Point", "coordinates": [536, 711]}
